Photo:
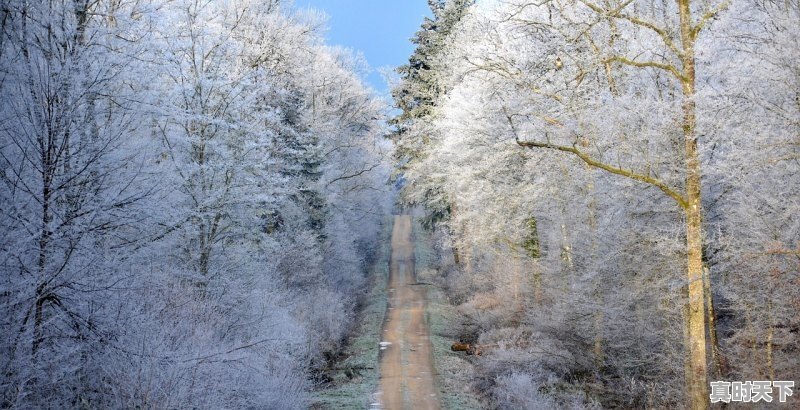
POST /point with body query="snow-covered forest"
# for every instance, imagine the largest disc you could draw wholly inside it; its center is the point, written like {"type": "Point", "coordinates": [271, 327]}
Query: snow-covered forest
{"type": "Point", "coordinates": [190, 193]}
{"type": "Point", "coordinates": [616, 190]}
{"type": "Point", "coordinates": [194, 195]}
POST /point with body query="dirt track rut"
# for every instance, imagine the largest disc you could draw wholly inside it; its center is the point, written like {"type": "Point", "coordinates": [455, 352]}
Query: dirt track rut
{"type": "Point", "coordinates": [406, 365]}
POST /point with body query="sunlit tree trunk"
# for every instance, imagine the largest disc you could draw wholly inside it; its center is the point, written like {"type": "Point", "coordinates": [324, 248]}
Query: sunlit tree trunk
{"type": "Point", "coordinates": [698, 384]}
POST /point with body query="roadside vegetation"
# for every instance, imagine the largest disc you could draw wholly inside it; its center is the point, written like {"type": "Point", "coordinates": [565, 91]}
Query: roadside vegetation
{"type": "Point", "coordinates": [354, 375]}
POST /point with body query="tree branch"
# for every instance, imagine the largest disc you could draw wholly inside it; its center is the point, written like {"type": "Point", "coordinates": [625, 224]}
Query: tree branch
{"type": "Point", "coordinates": [354, 175]}
{"type": "Point", "coordinates": [708, 16]}
{"type": "Point", "coordinates": [643, 64]}
{"type": "Point", "coordinates": [247, 346]}
{"type": "Point", "coordinates": [617, 13]}
{"type": "Point", "coordinates": [672, 193]}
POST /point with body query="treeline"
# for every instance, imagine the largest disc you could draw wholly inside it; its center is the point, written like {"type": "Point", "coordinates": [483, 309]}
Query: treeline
{"type": "Point", "coordinates": [190, 194]}
{"type": "Point", "coordinates": [616, 189]}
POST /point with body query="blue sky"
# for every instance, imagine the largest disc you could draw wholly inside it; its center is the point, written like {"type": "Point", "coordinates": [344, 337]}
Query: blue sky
{"type": "Point", "coordinates": [380, 29]}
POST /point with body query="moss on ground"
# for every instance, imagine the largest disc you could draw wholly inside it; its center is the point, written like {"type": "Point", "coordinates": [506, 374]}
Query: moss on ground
{"type": "Point", "coordinates": [454, 370]}
{"type": "Point", "coordinates": [353, 389]}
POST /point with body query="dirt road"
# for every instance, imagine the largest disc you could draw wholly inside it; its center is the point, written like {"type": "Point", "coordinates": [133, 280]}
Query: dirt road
{"type": "Point", "coordinates": [407, 374]}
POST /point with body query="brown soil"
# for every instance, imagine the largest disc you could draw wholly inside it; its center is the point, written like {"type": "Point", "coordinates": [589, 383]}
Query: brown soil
{"type": "Point", "coordinates": [407, 373]}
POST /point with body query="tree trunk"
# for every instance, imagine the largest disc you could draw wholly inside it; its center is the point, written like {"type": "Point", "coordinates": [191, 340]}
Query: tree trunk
{"type": "Point", "coordinates": [770, 343]}
{"type": "Point", "coordinates": [698, 384]}
{"type": "Point", "coordinates": [519, 271]}
{"type": "Point", "coordinates": [720, 362]}
{"type": "Point", "coordinates": [597, 349]}
{"type": "Point", "coordinates": [687, 363]}
{"type": "Point", "coordinates": [599, 317]}
{"type": "Point", "coordinates": [456, 257]}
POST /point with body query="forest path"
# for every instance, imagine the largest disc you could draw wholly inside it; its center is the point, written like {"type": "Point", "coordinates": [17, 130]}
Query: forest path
{"type": "Point", "coordinates": [406, 363]}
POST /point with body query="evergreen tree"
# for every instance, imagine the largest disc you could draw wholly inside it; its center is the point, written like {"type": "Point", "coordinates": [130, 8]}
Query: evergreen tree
{"type": "Point", "coordinates": [416, 97]}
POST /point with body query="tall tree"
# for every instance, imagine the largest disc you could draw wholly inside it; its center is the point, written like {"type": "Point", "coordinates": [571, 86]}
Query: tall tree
{"type": "Point", "coordinates": [69, 180]}
{"type": "Point", "coordinates": [679, 40]}
{"type": "Point", "coordinates": [421, 85]}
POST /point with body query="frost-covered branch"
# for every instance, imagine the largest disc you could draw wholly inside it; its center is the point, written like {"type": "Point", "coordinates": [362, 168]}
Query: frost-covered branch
{"type": "Point", "coordinates": [708, 16]}
{"type": "Point", "coordinates": [671, 192]}
{"type": "Point", "coordinates": [617, 13]}
{"type": "Point", "coordinates": [647, 64]}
